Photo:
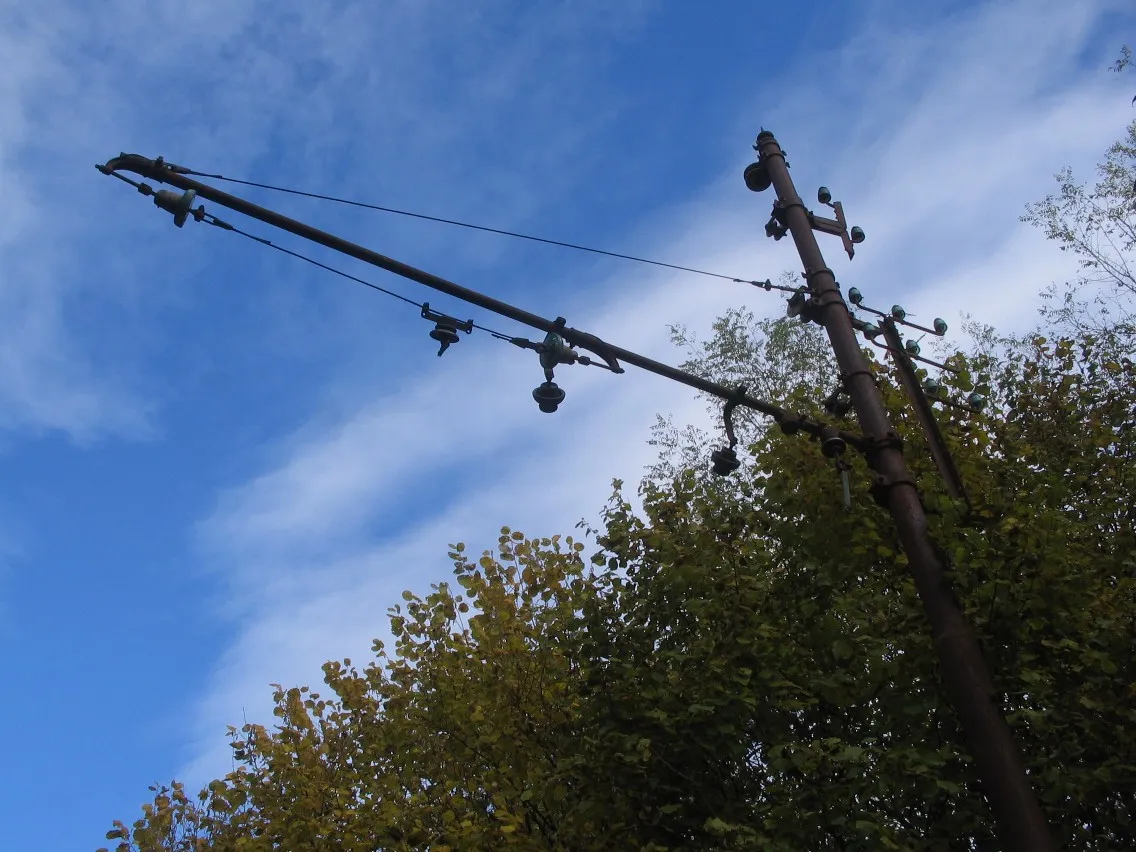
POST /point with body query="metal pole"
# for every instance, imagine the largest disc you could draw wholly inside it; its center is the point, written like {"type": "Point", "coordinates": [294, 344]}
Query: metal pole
{"type": "Point", "coordinates": [965, 675]}
{"type": "Point", "coordinates": [940, 452]}
{"type": "Point", "coordinates": [163, 172]}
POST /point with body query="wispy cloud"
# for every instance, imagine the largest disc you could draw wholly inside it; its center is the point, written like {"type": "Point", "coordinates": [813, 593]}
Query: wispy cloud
{"type": "Point", "coordinates": [934, 132]}
{"type": "Point", "coordinates": [118, 325]}
{"type": "Point", "coordinates": [43, 383]}
{"type": "Point", "coordinates": [244, 84]}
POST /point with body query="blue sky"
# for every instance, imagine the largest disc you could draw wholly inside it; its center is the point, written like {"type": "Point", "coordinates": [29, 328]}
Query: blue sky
{"type": "Point", "coordinates": [221, 465]}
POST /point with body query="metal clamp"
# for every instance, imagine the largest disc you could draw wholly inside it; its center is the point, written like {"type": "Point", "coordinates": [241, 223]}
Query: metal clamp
{"type": "Point", "coordinates": [882, 484]}
{"type": "Point", "coordinates": [446, 328]}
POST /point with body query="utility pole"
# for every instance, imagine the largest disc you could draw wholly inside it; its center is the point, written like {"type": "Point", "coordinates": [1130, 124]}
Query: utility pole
{"type": "Point", "coordinates": [966, 677]}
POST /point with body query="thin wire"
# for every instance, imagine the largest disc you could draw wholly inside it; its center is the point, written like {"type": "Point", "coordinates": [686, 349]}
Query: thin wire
{"type": "Point", "coordinates": [213, 220]}
{"type": "Point", "coordinates": [225, 226]}
{"type": "Point", "coordinates": [766, 285]}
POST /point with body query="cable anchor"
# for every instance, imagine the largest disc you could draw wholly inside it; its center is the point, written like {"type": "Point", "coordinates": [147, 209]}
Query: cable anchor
{"type": "Point", "coordinates": [553, 351]}
{"type": "Point", "coordinates": [548, 394]}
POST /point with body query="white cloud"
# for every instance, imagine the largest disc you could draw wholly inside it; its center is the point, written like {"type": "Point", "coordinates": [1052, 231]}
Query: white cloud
{"type": "Point", "coordinates": [224, 83]}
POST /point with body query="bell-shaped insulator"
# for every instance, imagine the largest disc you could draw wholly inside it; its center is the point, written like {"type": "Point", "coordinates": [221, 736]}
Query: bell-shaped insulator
{"type": "Point", "coordinates": [757, 177]}
{"type": "Point", "coordinates": [723, 462]}
{"type": "Point", "coordinates": [446, 335]}
{"type": "Point", "coordinates": [832, 445]}
{"type": "Point", "coordinates": [548, 396]}
{"type": "Point", "coordinates": [178, 204]}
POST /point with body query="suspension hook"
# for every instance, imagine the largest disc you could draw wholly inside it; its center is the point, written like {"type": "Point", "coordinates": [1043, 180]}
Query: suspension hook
{"type": "Point", "coordinates": [725, 461]}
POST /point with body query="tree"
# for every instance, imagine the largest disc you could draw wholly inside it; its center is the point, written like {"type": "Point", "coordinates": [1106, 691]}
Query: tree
{"type": "Point", "coordinates": [779, 359]}
{"type": "Point", "coordinates": [1098, 225]}
{"type": "Point", "coordinates": [743, 670]}
{"type": "Point", "coordinates": [1123, 62]}
{"type": "Point", "coordinates": [465, 738]}
{"type": "Point", "coordinates": [851, 743]}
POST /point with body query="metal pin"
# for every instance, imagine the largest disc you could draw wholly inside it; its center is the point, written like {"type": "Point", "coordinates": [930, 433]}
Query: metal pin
{"type": "Point", "coordinates": [845, 486]}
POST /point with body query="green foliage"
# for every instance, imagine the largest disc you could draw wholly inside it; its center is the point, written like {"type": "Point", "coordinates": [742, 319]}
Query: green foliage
{"type": "Point", "coordinates": [1125, 59]}
{"type": "Point", "coordinates": [1123, 62]}
{"type": "Point", "coordinates": [738, 670]}
{"type": "Point", "coordinates": [793, 626]}
{"type": "Point", "coordinates": [460, 739]}
{"type": "Point", "coordinates": [780, 360]}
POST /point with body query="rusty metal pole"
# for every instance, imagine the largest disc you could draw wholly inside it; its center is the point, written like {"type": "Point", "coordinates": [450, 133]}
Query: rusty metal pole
{"type": "Point", "coordinates": [940, 452]}
{"type": "Point", "coordinates": [966, 677]}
